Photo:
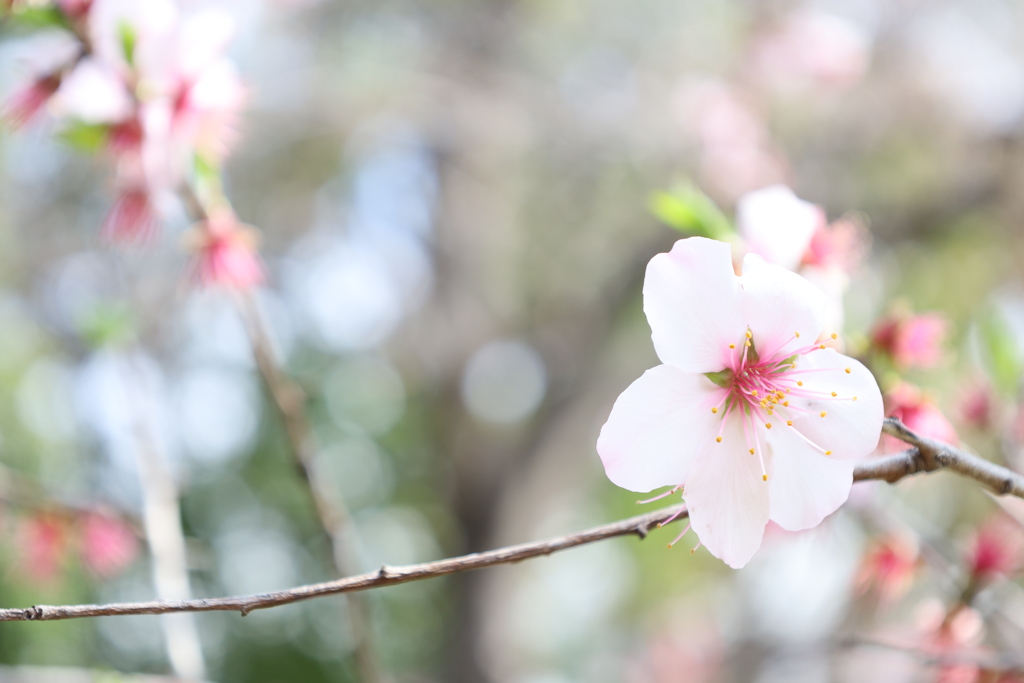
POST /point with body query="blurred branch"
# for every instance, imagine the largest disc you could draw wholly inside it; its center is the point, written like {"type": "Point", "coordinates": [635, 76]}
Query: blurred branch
{"type": "Point", "coordinates": [332, 513]}
{"type": "Point", "coordinates": [926, 456]}
{"type": "Point", "coordinates": [988, 661]}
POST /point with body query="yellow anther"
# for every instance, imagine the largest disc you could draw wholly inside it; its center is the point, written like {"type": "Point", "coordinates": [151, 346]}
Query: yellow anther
{"type": "Point", "coordinates": [749, 335]}
{"type": "Point", "coordinates": [828, 452]}
{"type": "Point", "coordinates": [753, 392]}
{"type": "Point", "coordinates": [799, 383]}
{"type": "Point", "coordinates": [718, 439]}
{"type": "Point", "coordinates": [780, 395]}
{"type": "Point", "coordinates": [770, 413]}
{"type": "Point", "coordinates": [835, 336]}
{"type": "Point", "coordinates": [789, 423]}
{"type": "Point", "coordinates": [751, 451]}
{"type": "Point", "coordinates": [821, 346]}
{"type": "Point", "coordinates": [797, 334]}
{"type": "Point", "coordinates": [823, 413]}
{"type": "Point", "coordinates": [693, 550]}
{"type": "Point", "coordinates": [848, 371]}
{"type": "Point", "coordinates": [732, 346]}
{"type": "Point", "coordinates": [854, 398]}
{"type": "Point", "coordinates": [834, 394]}
{"type": "Point", "coordinates": [764, 477]}
{"type": "Point", "coordinates": [714, 410]}
{"type": "Point", "coordinates": [746, 344]}
{"type": "Point", "coordinates": [785, 404]}
{"type": "Point", "coordinates": [768, 425]}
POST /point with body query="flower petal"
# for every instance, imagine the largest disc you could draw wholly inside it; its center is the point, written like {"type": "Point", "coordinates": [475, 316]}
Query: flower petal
{"type": "Point", "coordinates": [656, 426]}
{"type": "Point", "coordinates": [691, 298]}
{"type": "Point", "coordinates": [777, 304]}
{"type": "Point", "coordinates": [727, 497]}
{"type": "Point", "coordinates": [850, 428]}
{"type": "Point", "coordinates": [805, 485]}
{"type": "Point", "coordinates": [777, 224]}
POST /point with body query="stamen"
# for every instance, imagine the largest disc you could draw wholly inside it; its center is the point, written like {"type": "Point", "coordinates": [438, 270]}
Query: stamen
{"type": "Point", "coordinates": [659, 496]}
{"type": "Point", "coordinates": [750, 334]}
{"type": "Point", "coordinates": [768, 425]}
{"type": "Point", "coordinates": [694, 549]}
{"type": "Point", "coordinates": [834, 394]}
{"type": "Point", "coordinates": [821, 346]}
{"type": "Point", "coordinates": [823, 413]}
{"type": "Point", "coordinates": [672, 519]}
{"type": "Point", "coordinates": [799, 383]}
{"type": "Point", "coordinates": [714, 410]}
{"type": "Point", "coordinates": [828, 452]}
{"type": "Point", "coordinates": [751, 451]}
{"type": "Point", "coordinates": [848, 371]}
{"type": "Point", "coordinates": [789, 423]}
{"type": "Point", "coordinates": [796, 334]}
{"type": "Point", "coordinates": [835, 336]}
{"type": "Point", "coordinates": [764, 477]}
{"type": "Point", "coordinates": [732, 346]}
{"type": "Point", "coordinates": [680, 536]}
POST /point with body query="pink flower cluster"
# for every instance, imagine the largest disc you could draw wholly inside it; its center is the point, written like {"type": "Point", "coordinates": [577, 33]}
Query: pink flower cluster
{"type": "Point", "coordinates": [105, 545]}
{"type": "Point", "coordinates": [153, 88]}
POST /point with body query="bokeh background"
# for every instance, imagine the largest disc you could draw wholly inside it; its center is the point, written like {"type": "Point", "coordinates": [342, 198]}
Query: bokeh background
{"type": "Point", "coordinates": [454, 200]}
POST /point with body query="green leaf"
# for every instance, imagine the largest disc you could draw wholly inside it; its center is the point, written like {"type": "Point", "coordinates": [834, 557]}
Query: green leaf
{"type": "Point", "coordinates": [87, 137]}
{"type": "Point", "coordinates": [722, 378]}
{"type": "Point", "coordinates": [691, 212]}
{"type": "Point", "coordinates": [39, 17]}
{"type": "Point", "coordinates": [1000, 353]}
{"type": "Point", "coordinates": [126, 33]}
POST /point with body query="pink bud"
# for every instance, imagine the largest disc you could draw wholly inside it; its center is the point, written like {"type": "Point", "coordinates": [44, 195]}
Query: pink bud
{"type": "Point", "coordinates": [977, 406]}
{"type": "Point", "coordinates": [75, 8]}
{"type": "Point", "coordinates": [909, 405]}
{"type": "Point", "coordinates": [997, 548]}
{"type": "Point", "coordinates": [889, 567]}
{"type": "Point", "coordinates": [912, 340]}
{"type": "Point", "coordinates": [107, 545]}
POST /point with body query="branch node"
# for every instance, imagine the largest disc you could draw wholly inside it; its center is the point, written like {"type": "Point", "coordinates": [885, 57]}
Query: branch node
{"type": "Point", "coordinates": [245, 610]}
{"type": "Point", "coordinates": [34, 613]}
{"type": "Point", "coordinates": [386, 573]}
{"type": "Point", "coordinates": [642, 531]}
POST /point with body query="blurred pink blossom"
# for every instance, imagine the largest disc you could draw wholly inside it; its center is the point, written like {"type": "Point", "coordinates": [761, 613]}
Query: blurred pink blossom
{"type": "Point", "coordinates": [106, 544]}
{"type": "Point", "coordinates": [996, 549]}
{"type": "Point", "coordinates": [912, 340]}
{"type": "Point", "coordinates": [811, 47]}
{"type": "Point", "coordinates": [131, 219]}
{"type": "Point", "coordinates": [226, 253]}
{"type": "Point", "coordinates": [978, 406]}
{"type": "Point", "coordinates": [889, 567]}
{"type": "Point", "coordinates": [777, 225]}
{"type": "Point", "coordinates": [42, 546]}
{"type": "Point", "coordinates": [24, 105]}
{"type": "Point", "coordinates": [909, 404]}
{"type": "Point", "coordinates": [75, 8]}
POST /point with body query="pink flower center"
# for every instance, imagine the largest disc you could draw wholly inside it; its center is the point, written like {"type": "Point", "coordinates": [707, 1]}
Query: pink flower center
{"type": "Point", "coordinates": [762, 388]}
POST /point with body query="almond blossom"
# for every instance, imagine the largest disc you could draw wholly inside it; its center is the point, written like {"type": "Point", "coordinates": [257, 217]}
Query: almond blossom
{"type": "Point", "coordinates": [750, 416]}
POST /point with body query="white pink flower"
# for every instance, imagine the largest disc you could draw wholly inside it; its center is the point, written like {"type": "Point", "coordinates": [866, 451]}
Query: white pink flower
{"type": "Point", "coordinates": [748, 415]}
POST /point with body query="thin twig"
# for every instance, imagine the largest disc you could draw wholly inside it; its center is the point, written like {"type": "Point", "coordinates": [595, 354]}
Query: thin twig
{"type": "Point", "coordinates": [926, 456]}
{"type": "Point", "coordinates": [332, 513]}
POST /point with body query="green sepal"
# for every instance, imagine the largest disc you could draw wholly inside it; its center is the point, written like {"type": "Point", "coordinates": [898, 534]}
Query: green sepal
{"type": "Point", "coordinates": [787, 363]}
{"type": "Point", "coordinates": [722, 378]}
{"type": "Point", "coordinates": [87, 137]}
{"type": "Point", "coordinates": [126, 34]}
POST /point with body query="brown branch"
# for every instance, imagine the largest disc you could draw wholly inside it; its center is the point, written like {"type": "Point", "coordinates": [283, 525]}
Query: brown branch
{"type": "Point", "coordinates": [925, 456]}
{"type": "Point", "coordinates": [639, 526]}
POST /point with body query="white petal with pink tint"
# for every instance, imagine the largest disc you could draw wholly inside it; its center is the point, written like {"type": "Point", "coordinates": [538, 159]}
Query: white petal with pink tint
{"type": "Point", "coordinates": [727, 498]}
{"type": "Point", "coordinates": [658, 424]}
{"type": "Point", "coordinates": [777, 224]}
{"type": "Point", "coordinates": [94, 93]}
{"type": "Point", "coordinates": [850, 428]}
{"type": "Point", "coordinates": [691, 298]}
{"type": "Point", "coordinates": [784, 311]}
{"type": "Point", "coordinates": [805, 485]}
